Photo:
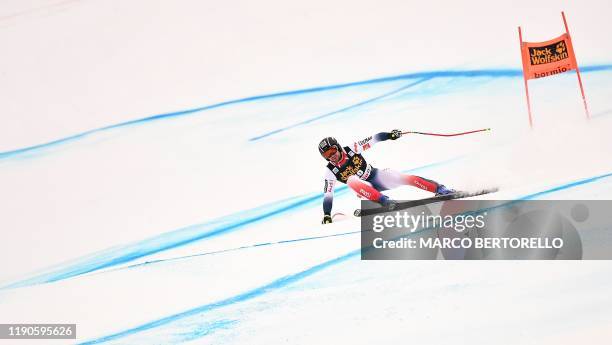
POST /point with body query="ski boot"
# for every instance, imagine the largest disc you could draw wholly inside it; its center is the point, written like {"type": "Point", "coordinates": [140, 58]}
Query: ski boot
{"type": "Point", "coordinates": [385, 201]}
{"type": "Point", "coordinates": [442, 190]}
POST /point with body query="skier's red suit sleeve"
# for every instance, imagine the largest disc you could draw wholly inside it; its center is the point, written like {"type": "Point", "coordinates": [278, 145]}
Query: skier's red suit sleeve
{"type": "Point", "coordinates": [367, 143]}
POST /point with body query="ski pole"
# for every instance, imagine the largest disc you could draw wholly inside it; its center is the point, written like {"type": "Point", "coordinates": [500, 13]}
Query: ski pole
{"type": "Point", "coordinates": [449, 135]}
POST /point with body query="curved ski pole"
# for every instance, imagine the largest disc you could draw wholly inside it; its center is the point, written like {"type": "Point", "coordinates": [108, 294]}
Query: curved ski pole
{"type": "Point", "coordinates": [449, 135]}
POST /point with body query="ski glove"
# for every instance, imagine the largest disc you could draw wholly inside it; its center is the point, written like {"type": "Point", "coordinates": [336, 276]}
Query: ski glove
{"type": "Point", "coordinates": [395, 134]}
{"type": "Point", "coordinates": [326, 219]}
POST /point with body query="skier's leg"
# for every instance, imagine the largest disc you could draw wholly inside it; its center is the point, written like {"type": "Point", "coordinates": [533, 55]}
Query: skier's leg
{"type": "Point", "coordinates": [422, 183]}
{"type": "Point", "coordinates": [383, 179]}
{"type": "Point", "coordinates": [366, 190]}
{"type": "Point", "coordinates": [389, 179]}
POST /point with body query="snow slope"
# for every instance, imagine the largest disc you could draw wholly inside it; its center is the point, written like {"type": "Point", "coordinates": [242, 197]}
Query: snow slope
{"type": "Point", "coordinates": [203, 224]}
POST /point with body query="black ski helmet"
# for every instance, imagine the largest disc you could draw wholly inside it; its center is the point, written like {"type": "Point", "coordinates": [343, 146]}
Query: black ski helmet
{"type": "Point", "coordinates": [328, 143]}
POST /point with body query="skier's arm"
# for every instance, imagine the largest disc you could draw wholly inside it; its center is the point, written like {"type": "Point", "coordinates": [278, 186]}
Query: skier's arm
{"type": "Point", "coordinates": [368, 142]}
{"type": "Point", "coordinates": [328, 196]}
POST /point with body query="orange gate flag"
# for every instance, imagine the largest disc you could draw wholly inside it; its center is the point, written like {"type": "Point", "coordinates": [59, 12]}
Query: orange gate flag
{"type": "Point", "coordinates": [544, 59]}
{"type": "Point", "coordinates": [548, 58]}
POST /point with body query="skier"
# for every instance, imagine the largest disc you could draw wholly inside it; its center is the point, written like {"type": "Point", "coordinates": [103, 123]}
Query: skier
{"type": "Point", "coordinates": [347, 165]}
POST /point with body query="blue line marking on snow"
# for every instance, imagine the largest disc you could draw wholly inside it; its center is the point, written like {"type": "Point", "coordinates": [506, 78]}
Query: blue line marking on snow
{"type": "Point", "coordinates": [347, 108]}
{"type": "Point", "coordinates": [173, 239]}
{"type": "Point", "coordinates": [264, 244]}
{"type": "Point", "coordinates": [565, 186]}
{"type": "Point", "coordinates": [122, 254]}
{"type": "Point", "coordinates": [275, 285]}
{"type": "Point", "coordinates": [492, 73]}
{"type": "Point", "coordinates": [290, 279]}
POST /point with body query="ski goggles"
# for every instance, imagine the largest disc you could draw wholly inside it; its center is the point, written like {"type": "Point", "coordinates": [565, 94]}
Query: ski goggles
{"type": "Point", "coordinates": [329, 152]}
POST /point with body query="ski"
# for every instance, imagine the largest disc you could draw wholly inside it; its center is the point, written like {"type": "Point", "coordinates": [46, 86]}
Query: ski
{"type": "Point", "coordinates": [414, 203]}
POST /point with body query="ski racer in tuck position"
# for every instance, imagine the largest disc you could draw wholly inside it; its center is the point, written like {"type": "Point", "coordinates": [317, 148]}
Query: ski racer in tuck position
{"type": "Point", "coordinates": [347, 165]}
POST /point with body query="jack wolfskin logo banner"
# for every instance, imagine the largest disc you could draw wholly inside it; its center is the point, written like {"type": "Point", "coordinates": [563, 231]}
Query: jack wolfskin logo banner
{"type": "Point", "coordinates": [548, 54]}
{"type": "Point", "coordinates": [543, 59]}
